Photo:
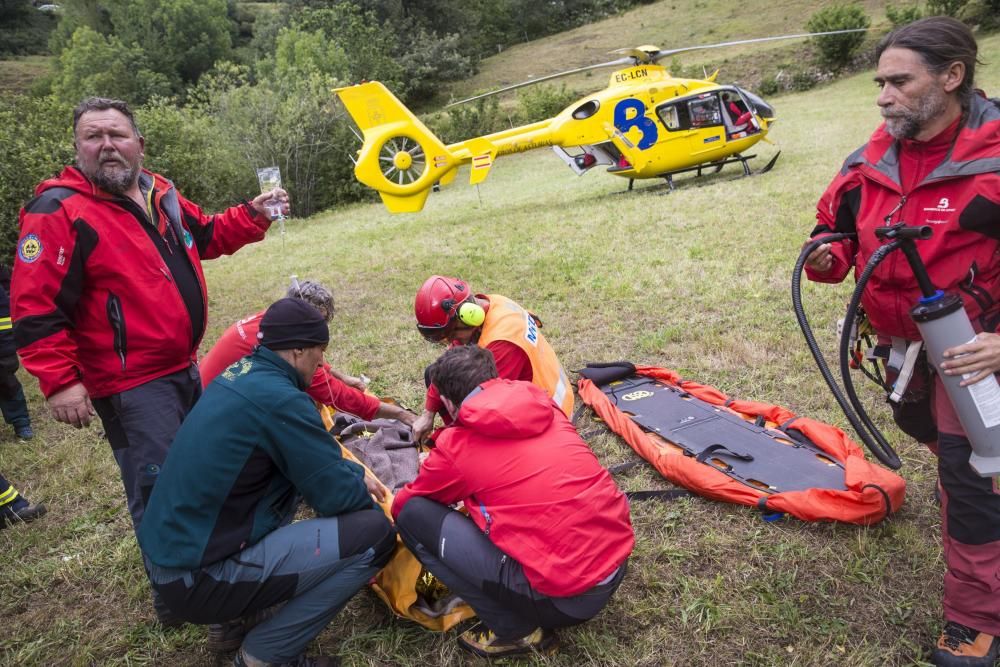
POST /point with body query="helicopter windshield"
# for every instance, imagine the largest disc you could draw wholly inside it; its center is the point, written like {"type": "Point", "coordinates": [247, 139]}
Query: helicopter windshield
{"type": "Point", "coordinates": [760, 107]}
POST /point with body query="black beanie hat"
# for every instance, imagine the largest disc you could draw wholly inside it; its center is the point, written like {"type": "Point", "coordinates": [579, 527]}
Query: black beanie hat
{"type": "Point", "coordinates": [292, 323]}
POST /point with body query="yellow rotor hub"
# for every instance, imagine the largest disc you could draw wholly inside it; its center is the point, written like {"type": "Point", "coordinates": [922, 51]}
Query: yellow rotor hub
{"type": "Point", "coordinates": [402, 160]}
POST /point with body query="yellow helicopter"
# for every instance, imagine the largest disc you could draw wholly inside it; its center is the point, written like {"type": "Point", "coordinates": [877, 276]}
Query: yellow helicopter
{"type": "Point", "coordinates": [645, 124]}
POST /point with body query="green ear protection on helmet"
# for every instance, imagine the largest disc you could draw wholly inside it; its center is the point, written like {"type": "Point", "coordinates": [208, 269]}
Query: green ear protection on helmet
{"type": "Point", "coordinates": [471, 314]}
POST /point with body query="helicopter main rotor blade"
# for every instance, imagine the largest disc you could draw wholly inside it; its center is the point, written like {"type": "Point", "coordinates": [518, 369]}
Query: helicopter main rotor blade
{"type": "Point", "coordinates": [659, 55]}
{"type": "Point", "coordinates": [641, 56]}
{"type": "Point", "coordinates": [614, 63]}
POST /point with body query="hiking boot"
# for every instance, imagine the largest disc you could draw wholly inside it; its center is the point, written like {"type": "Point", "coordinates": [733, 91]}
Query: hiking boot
{"type": "Point", "coordinates": [244, 660]}
{"type": "Point", "coordinates": [962, 646]}
{"type": "Point", "coordinates": [20, 511]}
{"type": "Point", "coordinates": [23, 431]}
{"type": "Point", "coordinates": [484, 643]}
{"type": "Point", "coordinates": [228, 636]}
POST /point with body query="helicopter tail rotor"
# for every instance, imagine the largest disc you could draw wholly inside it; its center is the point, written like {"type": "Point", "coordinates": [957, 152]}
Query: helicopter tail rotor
{"type": "Point", "coordinates": [400, 157]}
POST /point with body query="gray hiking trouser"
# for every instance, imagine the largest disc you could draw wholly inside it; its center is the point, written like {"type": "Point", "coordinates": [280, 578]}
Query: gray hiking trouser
{"type": "Point", "coordinates": [491, 582]}
{"type": "Point", "coordinates": [140, 423]}
{"type": "Point", "coordinates": [315, 566]}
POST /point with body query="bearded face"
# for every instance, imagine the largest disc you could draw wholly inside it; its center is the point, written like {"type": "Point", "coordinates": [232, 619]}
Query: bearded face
{"type": "Point", "coordinates": [914, 100]}
{"type": "Point", "coordinates": [904, 122]}
{"type": "Point", "coordinates": [109, 151]}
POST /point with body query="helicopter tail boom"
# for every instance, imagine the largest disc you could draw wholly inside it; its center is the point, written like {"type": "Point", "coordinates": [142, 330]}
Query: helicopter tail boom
{"type": "Point", "coordinates": [400, 158]}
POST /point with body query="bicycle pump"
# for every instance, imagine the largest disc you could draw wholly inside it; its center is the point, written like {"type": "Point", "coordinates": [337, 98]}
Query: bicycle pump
{"type": "Point", "coordinates": [943, 324]}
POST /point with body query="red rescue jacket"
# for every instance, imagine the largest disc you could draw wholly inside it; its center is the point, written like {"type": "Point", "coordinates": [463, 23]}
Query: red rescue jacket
{"type": "Point", "coordinates": [93, 297]}
{"type": "Point", "coordinates": [532, 485]}
{"type": "Point", "coordinates": [959, 199]}
{"type": "Point", "coordinates": [239, 340]}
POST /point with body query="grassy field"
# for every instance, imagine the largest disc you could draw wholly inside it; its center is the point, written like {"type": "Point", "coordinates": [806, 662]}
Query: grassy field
{"type": "Point", "coordinates": [696, 280]}
{"type": "Point", "coordinates": [18, 74]}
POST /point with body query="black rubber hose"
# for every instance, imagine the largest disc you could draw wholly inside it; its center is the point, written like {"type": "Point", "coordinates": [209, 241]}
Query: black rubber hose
{"type": "Point", "coordinates": [885, 453]}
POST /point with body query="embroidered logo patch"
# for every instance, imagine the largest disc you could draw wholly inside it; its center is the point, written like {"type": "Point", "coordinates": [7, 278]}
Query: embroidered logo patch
{"type": "Point", "coordinates": [238, 368]}
{"type": "Point", "coordinates": [188, 239]}
{"type": "Point", "coordinates": [29, 249]}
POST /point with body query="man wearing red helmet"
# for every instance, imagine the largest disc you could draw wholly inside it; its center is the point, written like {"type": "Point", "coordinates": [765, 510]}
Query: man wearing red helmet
{"type": "Point", "coordinates": [448, 312]}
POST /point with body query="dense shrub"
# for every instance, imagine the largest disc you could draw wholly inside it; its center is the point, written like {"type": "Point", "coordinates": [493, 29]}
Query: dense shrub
{"type": "Point", "coordinates": [429, 60]}
{"type": "Point", "coordinates": [175, 41]}
{"type": "Point", "coordinates": [93, 64]}
{"type": "Point", "coordinates": [984, 13]}
{"type": "Point", "coordinates": [23, 29]}
{"type": "Point", "coordinates": [295, 124]}
{"type": "Point", "coordinates": [836, 51]}
{"type": "Point", "coordinates": [945, 7]}
{"type": "Point", "coordinates": [188, 147]}
{"type": "Point", "coordinates": [541, 102]}
{"type": "Point", "coordinates": [367, 43]}
{"type": "Point", "coordinates": [465, 121]}
{"type": "Point", "coordinates": [900, 16]}
{"type": "Point", "coordinates": [35, 143]}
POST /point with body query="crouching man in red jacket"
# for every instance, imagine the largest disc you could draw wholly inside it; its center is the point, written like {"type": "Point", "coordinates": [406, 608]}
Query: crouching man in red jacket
{"type": "Point", "coordinates": [548, 534]}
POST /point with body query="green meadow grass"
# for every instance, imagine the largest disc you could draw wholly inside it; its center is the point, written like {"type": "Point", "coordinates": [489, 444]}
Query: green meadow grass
{"type": "Point", "coordinates": [17, 74]}
{"type": "Point", "coordinates": [696, 280]}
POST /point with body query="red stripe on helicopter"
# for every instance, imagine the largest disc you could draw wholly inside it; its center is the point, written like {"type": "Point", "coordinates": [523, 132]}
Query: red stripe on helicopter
{"type": "Point", "coordinates": [482, 161]}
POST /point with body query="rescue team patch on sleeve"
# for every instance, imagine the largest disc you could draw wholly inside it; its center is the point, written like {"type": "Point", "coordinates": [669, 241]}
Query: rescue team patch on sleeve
{"type": "Point", "coordinates": [238, 368]}
{"type": "Point", "coordinates": [29, 249]}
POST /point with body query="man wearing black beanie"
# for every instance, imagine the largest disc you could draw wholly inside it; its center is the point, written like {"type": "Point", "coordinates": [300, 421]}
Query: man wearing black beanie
{"type": "Point", "coordinates": [217, 534]}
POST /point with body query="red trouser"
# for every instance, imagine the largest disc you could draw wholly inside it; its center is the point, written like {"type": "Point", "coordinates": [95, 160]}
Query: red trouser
{"type": "Point", "coordinates": [970, 526]}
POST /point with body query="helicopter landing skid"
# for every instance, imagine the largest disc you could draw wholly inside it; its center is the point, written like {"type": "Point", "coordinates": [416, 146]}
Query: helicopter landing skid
{"type": "Point", "coordinates": [741, 159]}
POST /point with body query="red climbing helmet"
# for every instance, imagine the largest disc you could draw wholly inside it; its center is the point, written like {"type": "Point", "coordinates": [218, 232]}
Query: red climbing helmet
{"type": "Point", "coordinates": [436, 306]}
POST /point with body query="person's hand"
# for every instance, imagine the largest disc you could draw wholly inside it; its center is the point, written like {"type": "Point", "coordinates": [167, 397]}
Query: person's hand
{"type": "Point", "coordinates": [375, 488]}
{"type": "Point", "coordinates": [422, 426]}
{"type": "Point", "coordinates": [261, 201]}
{"type": "Point", "coordinates": [405, 416]}
{"type": "Point", "coordinates": [355, 382]}
{"type": "Point", "coordinates": [72, 406]}
{"type": "Point", "coordinates": [980, 358]}
{"type": "Point", "coordinates": [820, 259]}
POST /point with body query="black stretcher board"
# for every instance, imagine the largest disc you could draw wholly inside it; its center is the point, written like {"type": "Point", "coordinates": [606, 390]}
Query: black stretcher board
{"type": "Point", "coordinates": [766, 459]}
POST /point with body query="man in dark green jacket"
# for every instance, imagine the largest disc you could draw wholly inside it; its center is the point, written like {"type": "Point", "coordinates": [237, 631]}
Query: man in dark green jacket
{"type": "Point", "coordinates": [217, 533]}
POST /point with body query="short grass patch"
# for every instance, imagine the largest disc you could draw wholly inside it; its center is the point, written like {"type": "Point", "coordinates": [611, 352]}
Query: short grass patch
{"type": "Point", "coordinates": [19, 73]}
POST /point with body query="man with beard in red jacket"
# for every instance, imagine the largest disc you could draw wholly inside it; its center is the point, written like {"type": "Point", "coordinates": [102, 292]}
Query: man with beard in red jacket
{"type": "Point", "coordinates": [548, 534]}
{"type": "Point", "coordinates": [109, 299]}
{"type": "Point", "coordinates": [934, 162]}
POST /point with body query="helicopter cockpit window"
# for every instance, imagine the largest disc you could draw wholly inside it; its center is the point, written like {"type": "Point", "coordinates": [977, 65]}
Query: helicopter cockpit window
{"type": "Point", "coordinates": [705, 112]}
{"type": "Point", "coordinates": [670, 116]}
{"type": "Point", "coordinates": [586, 110]}
{"type": "Point", "coordinates": [691, 114]}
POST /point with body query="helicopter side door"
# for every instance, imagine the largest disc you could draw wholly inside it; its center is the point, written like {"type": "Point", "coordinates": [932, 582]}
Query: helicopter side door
{"type": "Point", "coordinates": [699, 120]}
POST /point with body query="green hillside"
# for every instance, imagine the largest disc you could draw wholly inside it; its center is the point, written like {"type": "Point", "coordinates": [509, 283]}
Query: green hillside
{"type": "Point", "coordinates": [667, 24]}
